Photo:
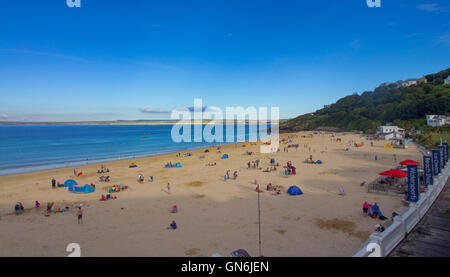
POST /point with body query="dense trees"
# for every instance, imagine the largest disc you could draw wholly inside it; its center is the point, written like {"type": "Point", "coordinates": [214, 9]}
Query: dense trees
{"type": "Point", "coordinates": [405, 106]}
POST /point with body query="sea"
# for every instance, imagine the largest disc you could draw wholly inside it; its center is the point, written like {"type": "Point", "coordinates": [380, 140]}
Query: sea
{"type": "Point", "coordinates": [25, 148]}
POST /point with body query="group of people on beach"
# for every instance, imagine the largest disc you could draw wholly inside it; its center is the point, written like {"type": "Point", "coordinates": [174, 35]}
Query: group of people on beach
{"type": "Point", "coordinates": [276, 189]}
{"type": "Point", "coordinates": [104, 179]}
{"type": "Point", "coordinates": [290, 169]}
{"type": "Point", "coordinates": [227, 175]}
{"type": "Point", "coordinates": [373, 211]}
{"type": "Point", "coordinates": [253, 164]}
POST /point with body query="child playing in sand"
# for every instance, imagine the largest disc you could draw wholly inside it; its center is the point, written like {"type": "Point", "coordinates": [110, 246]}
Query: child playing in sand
{"type": "Point", "coordinates": [173, 225]}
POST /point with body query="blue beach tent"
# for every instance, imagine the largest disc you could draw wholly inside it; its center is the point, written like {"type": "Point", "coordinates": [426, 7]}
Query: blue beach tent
{"type": "Point", "coordinates": [69, 183]}
{"type": "Point", "coordinates": [294, 190]}
{"type": "Point", "coordinates": [225, 156]}
{"type": "Point", "coordinates": [88, 189]}
{"type": "Point", "coordinates": [84, 189]}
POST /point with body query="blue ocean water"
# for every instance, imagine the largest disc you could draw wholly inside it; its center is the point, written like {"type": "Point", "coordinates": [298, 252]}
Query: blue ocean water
{"type": "Point", "coordinates": [26, 148]}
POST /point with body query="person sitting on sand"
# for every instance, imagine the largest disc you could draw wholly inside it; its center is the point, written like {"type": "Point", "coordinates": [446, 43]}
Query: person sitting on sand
{"type": "Point", "coordinates": [17, 208]}
{"type": "Point", "coordinates": [37, 204]}
{"type": "Point", "coordinates": [376, 210]}
{"type": "Point", "coordinates": [103, 198]}
{"type": "Point", "coordinates": [172, 225]}
{"type": "Point", "coordinates": [174, 208]}
{"type": "Point", "coordinates": [370, 211]}
{"type": "Point", "coordinates": [379, 228]}
{"type": "Point", "coordinates": [269, 186]}
{"type": "Point", "coordinates": [49, 206]}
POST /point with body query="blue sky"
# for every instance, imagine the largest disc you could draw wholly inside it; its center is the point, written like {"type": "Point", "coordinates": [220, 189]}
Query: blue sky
{"type": "Point", "coordinates": [136, 59]}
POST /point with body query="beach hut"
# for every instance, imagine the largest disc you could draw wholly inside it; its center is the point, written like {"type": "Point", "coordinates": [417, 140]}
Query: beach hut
{"type": "Point", "coordinates": [294, 190]}
{"type": "Point", "coordinates": [69, 183]}
{"type": "Point", "coordinates": [225, 156]}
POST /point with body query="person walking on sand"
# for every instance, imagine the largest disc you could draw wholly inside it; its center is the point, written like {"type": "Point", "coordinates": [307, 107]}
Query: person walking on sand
{"type": "Point", "coordinates": [80, 215]}
{"type": "Point", "coordinates": [168, 188]}
{"type": "Point", "coordinates": [53, 183]}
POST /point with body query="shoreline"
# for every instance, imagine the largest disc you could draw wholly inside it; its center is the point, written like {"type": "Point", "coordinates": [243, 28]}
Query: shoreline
{"type": "Point", "coordinates": [99, 161]}
{"type": "Point", "coordinates": [62, 161]}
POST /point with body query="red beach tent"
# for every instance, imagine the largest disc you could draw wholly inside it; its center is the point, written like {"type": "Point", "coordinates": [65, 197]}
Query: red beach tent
{"type": "Point", "coordinates": [394, 173]}
{"type": "Point", "coordinates": [407, 162]}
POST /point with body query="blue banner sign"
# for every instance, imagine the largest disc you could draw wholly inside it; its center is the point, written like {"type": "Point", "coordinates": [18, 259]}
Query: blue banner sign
{"type": "Point", "coordinates": [436, 162]}
{"type": "Point", "coordinates": [413, 183]}
{"type": "Point", "coordinates": [427, 171]}
{"type": "Point", "coordinates": [445, 152]}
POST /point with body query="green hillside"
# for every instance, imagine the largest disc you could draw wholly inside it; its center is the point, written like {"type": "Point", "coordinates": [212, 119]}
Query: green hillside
{"type": "Point", "coordinates": [404, 106]}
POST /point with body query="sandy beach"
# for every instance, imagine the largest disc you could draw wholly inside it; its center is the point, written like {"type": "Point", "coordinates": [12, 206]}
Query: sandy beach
{"type": "Point", "coordinates": [215, 216]}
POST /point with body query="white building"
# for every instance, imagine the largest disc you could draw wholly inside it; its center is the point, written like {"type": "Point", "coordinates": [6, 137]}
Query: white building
{"type": "Point", "coordinates": [437, 120]}
{"type": "Point", "coordinates": [390, 132]}
{"type": "Point", "coordinates": [447, 81]}
{"type": "Point", "coordinates": [409, 83]}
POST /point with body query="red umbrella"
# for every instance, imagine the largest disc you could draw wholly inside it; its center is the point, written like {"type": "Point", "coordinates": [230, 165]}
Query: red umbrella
{"type": "Point", "coordinates": [394, 173]}
{"type": "Point", "coordinates": [407, 162]}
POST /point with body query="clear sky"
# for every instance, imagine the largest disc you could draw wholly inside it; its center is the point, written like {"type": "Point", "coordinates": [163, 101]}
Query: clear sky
{"type": "Point", "coordinates": [135, 59]}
